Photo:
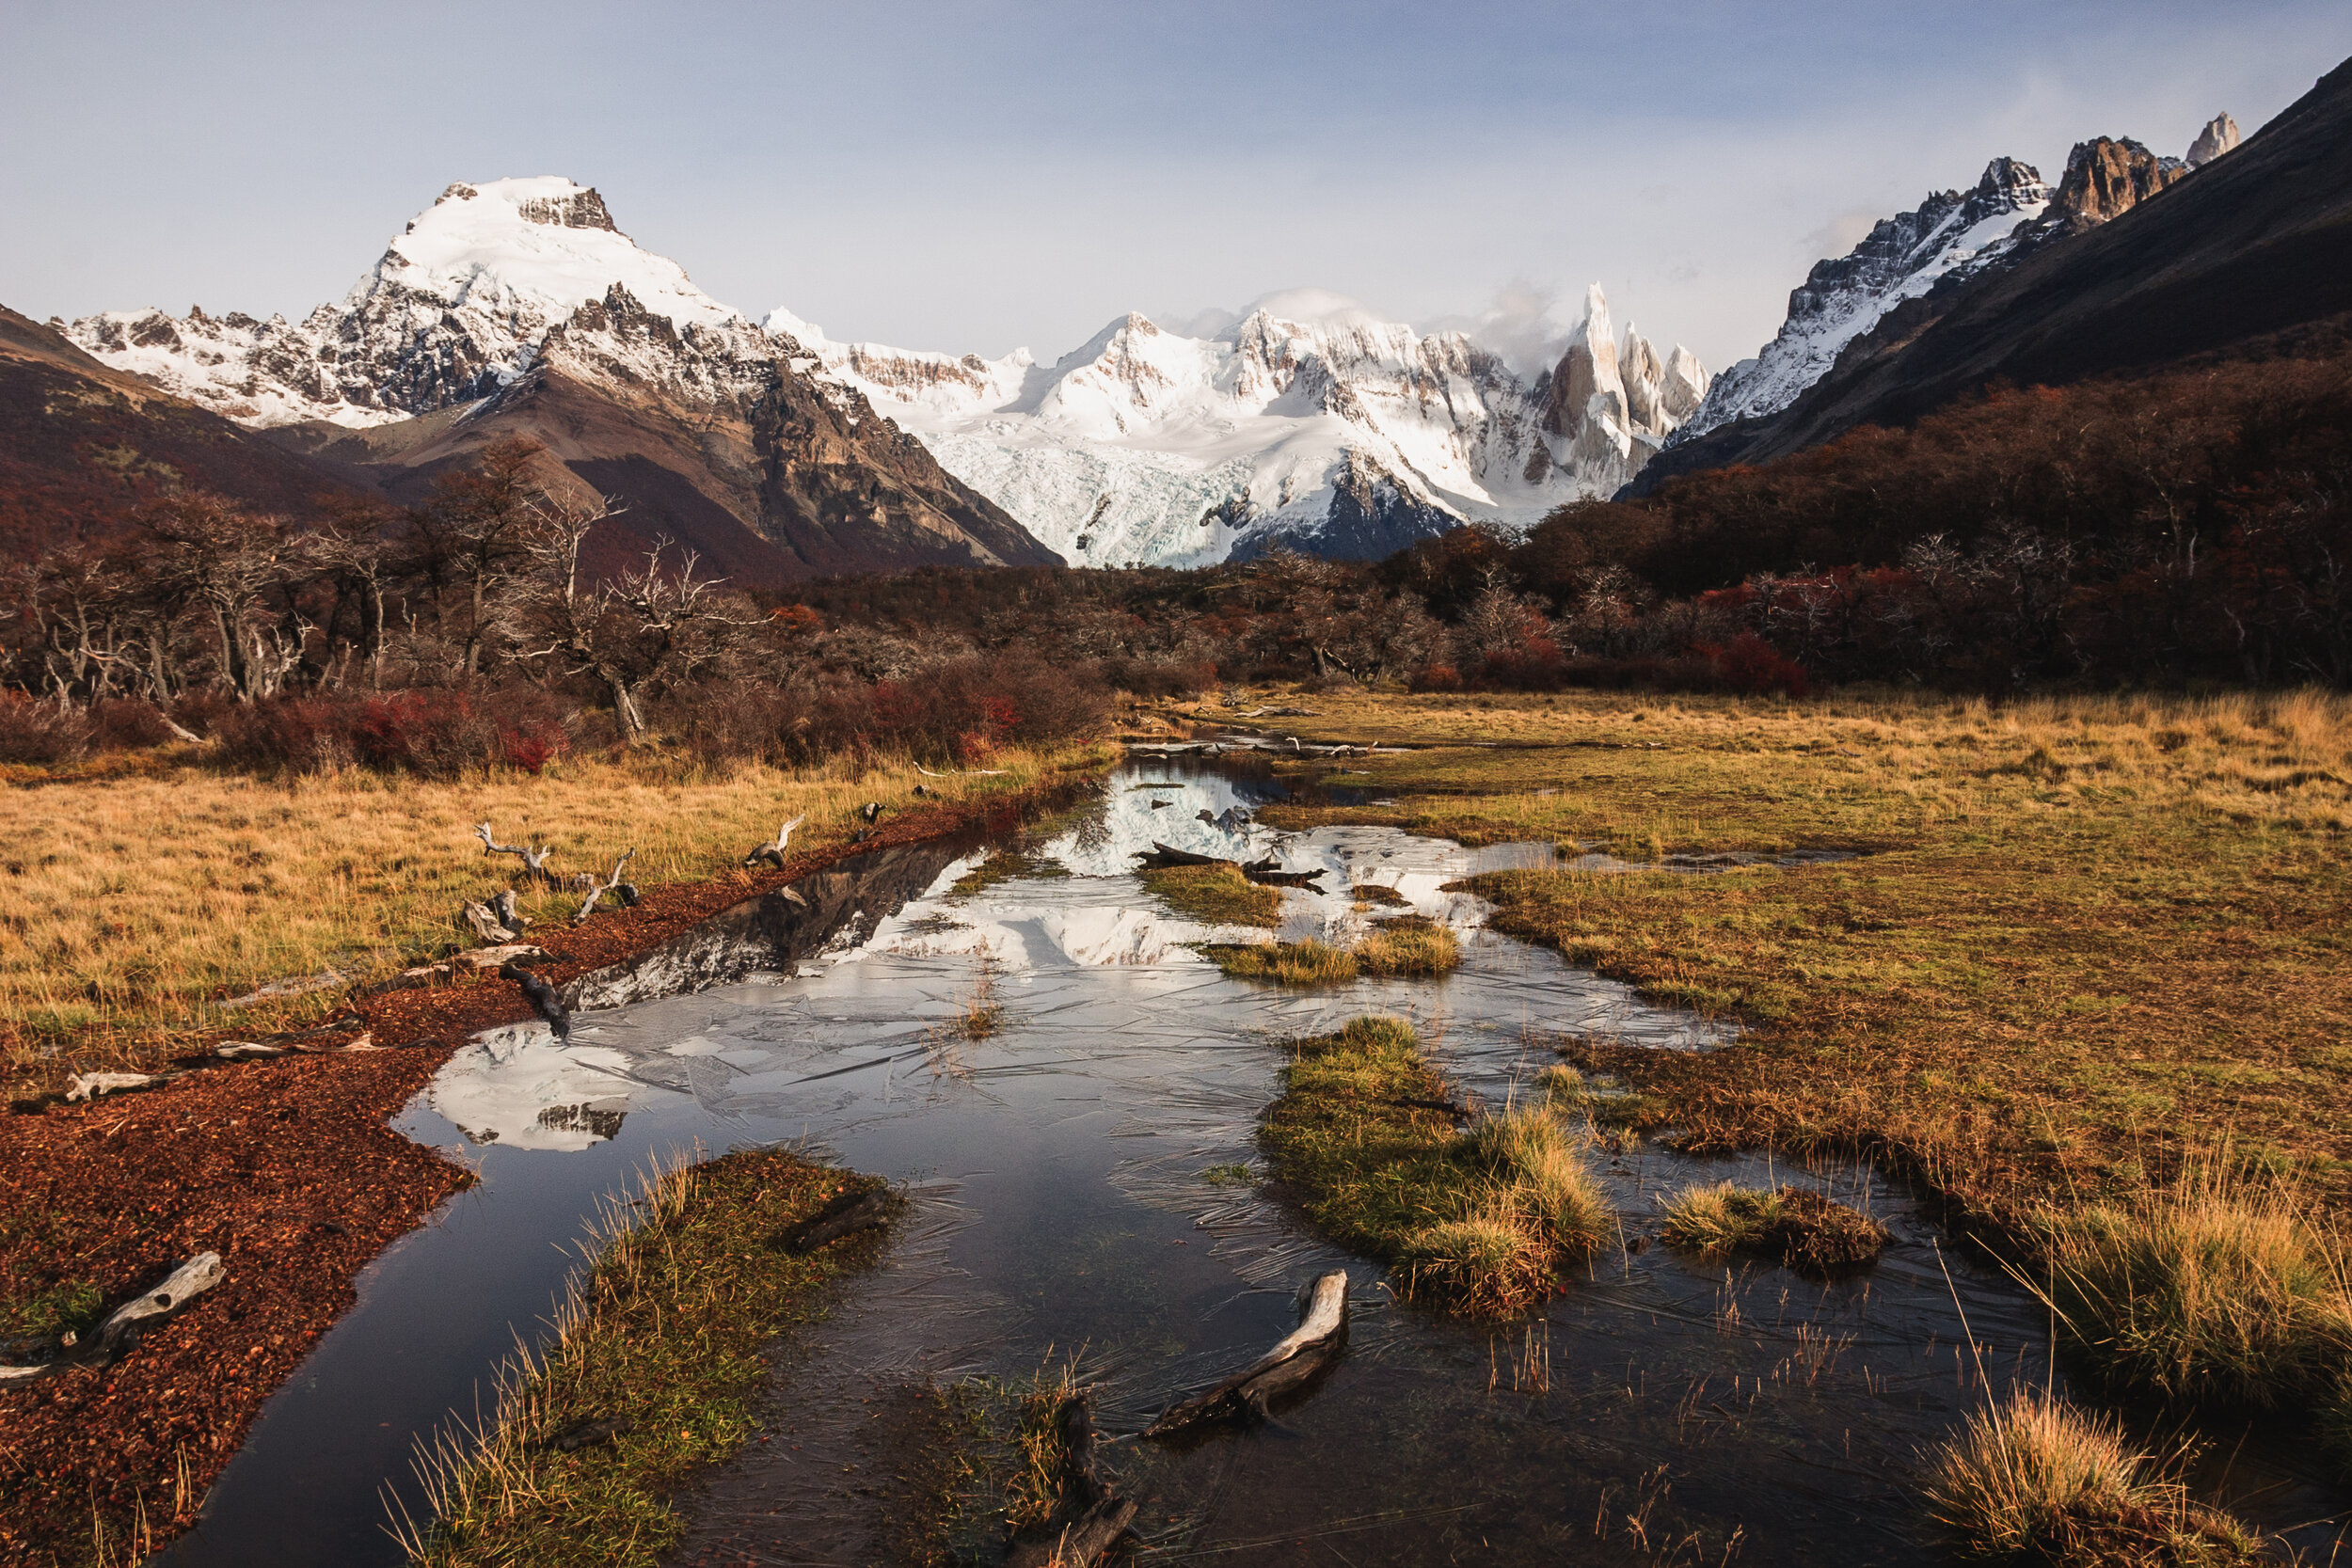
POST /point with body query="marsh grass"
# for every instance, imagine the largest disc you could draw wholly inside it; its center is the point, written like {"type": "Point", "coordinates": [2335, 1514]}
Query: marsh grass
{"type": "Point", "coordinates": [1795, 1226]}
{"type": "Point", "coordinates": [1478, 1222]}
{"type": "Point", "coordinates": [1287, 963]}
{"type": "Point", "coordinates": [1409, 946]}
{"type": "Point", "coordinates": [2220, 1287]}
{"type": "Point", "coordinates": [1006, 1469]}
{"type": "Point", "coordinates": [1005, 865]}
{"type": "Point", "coordinates": [2028, 983]}
{"type": "Point", "coordinates": [2031, 1479]}
{"type": "Point", "coordinates": [1216, 895]}
{"type": "Point", "coordinates": [130, 905]}
{"type": "Point", "coordinates": [658, 1356]}
{"type": "Point", "coordinates": [1603, 1099]}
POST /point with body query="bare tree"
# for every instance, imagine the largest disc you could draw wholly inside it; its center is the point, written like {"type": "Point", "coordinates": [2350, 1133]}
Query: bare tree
{"type": "Point", "coordinates": [223, 558]}
{"type": "Point", "coordinates": [478, 531]}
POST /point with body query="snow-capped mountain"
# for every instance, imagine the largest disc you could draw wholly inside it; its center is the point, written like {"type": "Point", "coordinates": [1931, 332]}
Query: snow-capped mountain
{"type": "Point", "coordinates": [459, 307]}
{"type": "Point", "coordinates": [520, 302]}
{"type": "Point", "coordinates": [1308, 423]}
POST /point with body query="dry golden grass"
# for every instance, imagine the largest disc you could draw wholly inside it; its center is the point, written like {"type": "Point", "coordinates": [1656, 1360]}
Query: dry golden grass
{"type": "Point", "coordinates": [2215, 1287]}
{"type": "Point", "coordinates": [1790, 1225]}
{"type": "Point", "coordinates": [1411, 946]}
{"type": "Point", "coordinates": [2086, 936]}
{"type": "Point", "coordinates": [130, 905]}
{"type": "Point", "coordinates": [2032, 1478]}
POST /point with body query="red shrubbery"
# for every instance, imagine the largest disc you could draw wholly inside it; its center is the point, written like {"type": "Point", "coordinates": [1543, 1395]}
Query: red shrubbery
{"type": "Point", "coordinates": [437, 732]}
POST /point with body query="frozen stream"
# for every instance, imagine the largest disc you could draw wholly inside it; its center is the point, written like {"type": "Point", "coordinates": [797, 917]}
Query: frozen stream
{"type": "Point", "coordinates": [1064, 1206]}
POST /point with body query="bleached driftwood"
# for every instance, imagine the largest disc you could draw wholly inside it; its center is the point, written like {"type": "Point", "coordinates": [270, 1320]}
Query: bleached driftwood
{"type": "Point", "coordinates": [542, 998]}
{"type": "Point", "coordinates": [611, 885]}
{"type": "Point", "coordinates": [246, 1051]}
{"type": "Point", "coordinates": [509, 912]}
{"type": "Point", "coordinates": [1322, 1332]}
{"type": "Point", "coordinates": [91, 1085]}
{"type": "Point", "coordinates": [962, 772]}
{"type": "Point", "coordinates": [124, 1325]}
{"type": "Point", "coordinates": [773, 853]}
{"type": "Point", "coordinates": [535, 857]}
{"type": "Point", "coordinates": [483, 922]}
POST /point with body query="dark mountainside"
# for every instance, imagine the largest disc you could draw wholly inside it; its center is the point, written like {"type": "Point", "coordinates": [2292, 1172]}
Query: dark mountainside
{"type": "Point", "coordinates": [82, 446]}
{"type": "Point", "coordinates": [2192, 263]}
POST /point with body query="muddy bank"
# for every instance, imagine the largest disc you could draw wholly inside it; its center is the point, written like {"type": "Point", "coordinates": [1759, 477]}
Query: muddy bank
{"type": "Point", "coordinates": [288, 1169]}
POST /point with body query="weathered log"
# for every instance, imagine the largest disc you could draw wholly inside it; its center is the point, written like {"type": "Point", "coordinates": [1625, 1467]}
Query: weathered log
{"type": "Point", "coordinates": [509, 912]}
{"type": "Point", "coordinates": [590, 1432]}
{"type": "Point", "coordinates": [1164, 856]}
{"type": "Point", "coordinates": [773, 853]}
{"type": "Point", "coordinates": [850, 1213]}
{"type": "Point", "coordinates": [484, 923]}
{"type": "Point", "coordinates": [535, 857]}
{"type": "Point", "coordinates": [123, 1326]}
{"type": "Point", "coordinates": [245, 1051]}
{"type": "Point", "coordinates": [91, 1085]}
{"type": "Point", "coordinates": [611, 885]}
{"type": "Point", "coordinates": [871, 812]}
{"type": "Point", "coordinates": [1321, 1335]}
{"type": "Point", "coordinates": [1083, 1543]}
{"type": "Point", "coordinates": [1265, 874]}
{"type": "Point", "coordinates": [543, 999]}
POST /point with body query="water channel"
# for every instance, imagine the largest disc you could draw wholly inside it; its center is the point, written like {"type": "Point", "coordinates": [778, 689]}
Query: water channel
{"type": "Point", "coordinates": [1076, 1197]}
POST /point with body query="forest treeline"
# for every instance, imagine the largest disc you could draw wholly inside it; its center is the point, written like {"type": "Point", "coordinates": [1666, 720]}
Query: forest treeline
{"type": "Point", "coordinates": [2166, 530]}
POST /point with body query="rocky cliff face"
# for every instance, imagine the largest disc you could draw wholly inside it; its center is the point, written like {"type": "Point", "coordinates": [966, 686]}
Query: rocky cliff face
{"type": "Point", "coordinates": [2107, 178]}
{"type": "Point", "coordinates": [2138, 263]}
{"type": "Point", "coordinates": [519, 298]}
{"type": "Point", "coordinates": [1308, 424]}
{"type": "Point", "coordinates": [1888, 285]}
{"type": "Point", "coordinates": [1950, 234]}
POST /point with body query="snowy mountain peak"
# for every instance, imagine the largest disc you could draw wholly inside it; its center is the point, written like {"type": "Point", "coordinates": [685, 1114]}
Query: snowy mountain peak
{"type": "Point", "coordinates": [1952, 233]}
{"type": "Point", "coordinates": [457, 307]}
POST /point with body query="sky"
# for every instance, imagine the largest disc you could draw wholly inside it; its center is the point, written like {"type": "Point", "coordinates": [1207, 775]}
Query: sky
{"type": "Point", "coordinates": [977, 176]}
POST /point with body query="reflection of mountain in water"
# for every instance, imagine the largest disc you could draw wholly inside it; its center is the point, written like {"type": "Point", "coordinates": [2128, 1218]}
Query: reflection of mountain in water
{"type": "Point", "coordinates": [597, 1122]}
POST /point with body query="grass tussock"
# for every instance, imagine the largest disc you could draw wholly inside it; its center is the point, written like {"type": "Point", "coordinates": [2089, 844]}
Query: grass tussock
{"type": "Point", "coordinates": [1795, 1226]}
{"type": "Point", "coordinates": [2217, 1289]}
{"type": "Point", "coordinates": [1409, 946]}
{"type": "Point", "coordinates": [1216, 895]}
{"type": "Point", "coordinates": [1001, 1469]}
{"type": "Point", "coordinates": [131, 906]}
{"type": "Point", "coordinates": [2034, 1479]}
{"type": "Point", "coordinates": [1477, 1222]}
{"type": "Point", "coordinates": [653, 1372]}
{"type": "Point", "coordinates": [1289, 963]}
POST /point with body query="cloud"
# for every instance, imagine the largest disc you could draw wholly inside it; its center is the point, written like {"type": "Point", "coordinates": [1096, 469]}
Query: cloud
{"type": "Point", "coordinates": [1520, 326]}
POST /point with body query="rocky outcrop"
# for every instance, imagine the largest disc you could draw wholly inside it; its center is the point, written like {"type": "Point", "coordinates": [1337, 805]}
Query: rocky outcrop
{"type": "Point", "coordinates": [2106, 178]}
{"type": "Point", "coordinates": [2219, 136]}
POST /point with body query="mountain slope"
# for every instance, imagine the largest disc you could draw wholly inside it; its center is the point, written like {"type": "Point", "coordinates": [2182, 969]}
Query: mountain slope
{"type": "Point", "coordinates": [82, 445]}
{"type": "Point", "coordinates": [515, 306]}
{"type": "Point", "coordinates": [1308, 424]}
{"type": "Point", "coordinates": [2140, 262]}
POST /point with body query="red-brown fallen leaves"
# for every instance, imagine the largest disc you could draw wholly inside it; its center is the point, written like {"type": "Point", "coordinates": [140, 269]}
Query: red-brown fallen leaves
{"type": "Point", "coordinates": [287, 1168]}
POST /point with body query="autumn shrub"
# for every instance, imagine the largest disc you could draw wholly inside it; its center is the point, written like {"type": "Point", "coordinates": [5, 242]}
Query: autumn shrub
{"type": "Point", "coordinates": [119, 723]}
{"type": "Point", "coordinates": [434, 732]}
{"type": "Point", "coordinates": [34, 729]}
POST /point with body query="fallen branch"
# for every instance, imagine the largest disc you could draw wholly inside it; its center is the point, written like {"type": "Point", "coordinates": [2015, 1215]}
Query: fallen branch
{"type": "Point", "coordinates": [849, 1213]}
{"type": "Point", "coordinates": [963, 772]}
{"type": "Point", "coordinates": [1322, 1332]}
{"type": "Point", "coordinates": [122, 1328]}
{"type": "Point", "coordinates": [1263, 872]}
{"type": "Point", "coordinates": [1162, 856]}
{"type": "Point", "coordinates": [483, 922]}
{"type": "Point", "coordinates": [535, 857]}
{"type": "Point", "coordinates": [542, 998]}
{"type": "Point", "coordinates": [1085, 1541]}
{"type": "Point", "coordinates": [612, 884]}
{"type": "Point", "coordinates": [773, 853]}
